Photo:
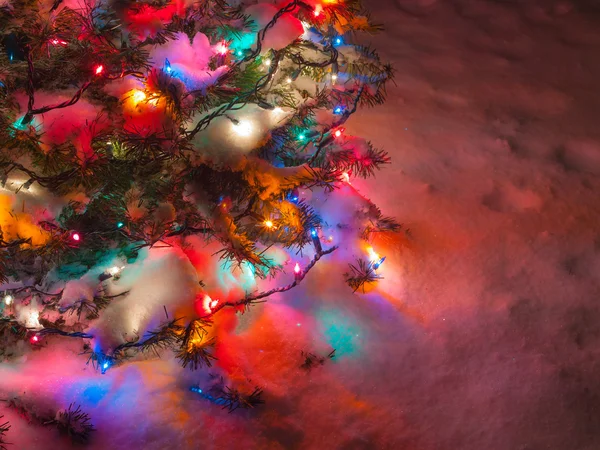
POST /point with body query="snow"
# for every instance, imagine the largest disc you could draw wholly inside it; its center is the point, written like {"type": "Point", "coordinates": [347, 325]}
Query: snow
{"type": "Point", "coordinates": [483, 333]}
{"type": "Point", "coordinates": [189, 60]}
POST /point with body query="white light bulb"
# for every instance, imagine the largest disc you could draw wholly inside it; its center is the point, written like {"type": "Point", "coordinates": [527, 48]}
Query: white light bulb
{"type": "Point", "coordinates": [242, 128]}
{"type": "Point", "coordinates": [372, 255]}
{"type": "Point", "coordinates": [8, 299]}
{"type": "Point", "coordinates": [267, 62]}
{"type": "Point", "coordinates": [288, 80]}
{"type": "Point", "coordinates": [114, 270]}
{"type": "Point", "coordinates": [333, 77]}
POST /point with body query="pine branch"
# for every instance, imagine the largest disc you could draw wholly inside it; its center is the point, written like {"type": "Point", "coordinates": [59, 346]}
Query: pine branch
{"type": "Point", "coordinates": [252, 299]}
{"type": "Point", "coordinates": [361, 274]}
{"type": "Point", "coordinates": [4, 427]}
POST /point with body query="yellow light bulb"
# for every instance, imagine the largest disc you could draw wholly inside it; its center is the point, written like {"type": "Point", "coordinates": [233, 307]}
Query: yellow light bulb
{"type": "Point", "coordinates": [268, 224]}
{"type": "Point", "coordinates": [138, 96]}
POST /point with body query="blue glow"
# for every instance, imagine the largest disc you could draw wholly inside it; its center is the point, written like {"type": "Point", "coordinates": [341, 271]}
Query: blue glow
{"type": "Point", "coordinates": [239, 53]}
{"type": "Point", "coordinates": [338, 110]}
{"type": "Point", "coordinates": [105, 367]}
{"type": "Point", "coordinates": [168, 65]}
{"type": "Point", "coordinates": [11, 56]}
{"type": "Point", "coordinates": [301, 137]}
{"type": "Point", "coordinates": [338, 41]}
{"type": "Point", "coordinates": [120, 224]}
{"type": "Point", "coordinates": [313, 232]}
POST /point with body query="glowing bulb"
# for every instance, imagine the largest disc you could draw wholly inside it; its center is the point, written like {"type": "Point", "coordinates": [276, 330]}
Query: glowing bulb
{"type": "Point", "coordinates": [8, 299]}
{"type": "Point", "coordinates": [54, 41]}
{"type": "Point", "coordinates": [346, 177]}
{"type": "Point", "coordinates": [120, 224]}
{"type": "Point", "coordinates": [288, 80]}
{"type": "Point", "coordinates": [337, 133]}
{"type": "Point", "coordinates": [114, 270]}
{"type": "Point", "coordinates": [313, 232]}
{"type": "Point", "coordinates": [105, 366]}
{"type": "Point", "coordinates": [317, 11]}
{"type": "Point", "coordinates": [76, 237]}
{"type": "Point", "coordinates": [277, 110]}
{"type": "Point", "coordinates": [267, 62]}
{"type": "Point", "coordinates": [138, 96]}
{"type": "Point", "coordinates": [34, 339]}
{"type": "Point", "coordinates": [372, 255]}
{"type": "Point", "coordinates": [338, 40]}
{"type": "Point", "coordinates": [222, 48]}
{"type": "Point", "coordinates": [330, 238]}
{"type": "Point", "coordinates": [168, 65]}
{"type": "Point", "coordinates": [239, 53]}
{"type": "Point", "coordinates": [268, 224]}
{"type": "Point", "coordinates": [378, 263]}
{"type": "Point", "coordinates": [243, 128]}
{"type": "Point", "coordinates": [213, 304]}
{"type": "Point", "coordinates": [99, 69]}
{"type": "Point", "coordinates": [297, 269]}
{"type": "Point", "coordinates": [301, 137]}
{"type": "Point", "coordinates": [338, 110]}
{"type": "Point", "coordinates": [334, 77]}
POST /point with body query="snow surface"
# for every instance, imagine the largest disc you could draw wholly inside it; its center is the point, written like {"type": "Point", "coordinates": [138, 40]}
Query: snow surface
{"type": "Point", "coordinates": [484, 332]}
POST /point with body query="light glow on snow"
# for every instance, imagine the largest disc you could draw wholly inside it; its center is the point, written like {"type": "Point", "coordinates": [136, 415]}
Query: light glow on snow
{"type": "Point", "coordinates": [242, 128]}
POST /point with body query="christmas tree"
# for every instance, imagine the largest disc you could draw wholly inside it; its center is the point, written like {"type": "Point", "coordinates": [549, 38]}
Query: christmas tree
{"type": "Point", "coordinates": [163, 162]}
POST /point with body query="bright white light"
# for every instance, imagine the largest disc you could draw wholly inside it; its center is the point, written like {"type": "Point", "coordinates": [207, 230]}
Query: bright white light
{"type": "Point", "coordinates": [8, 299]}
{"type": "Point", "coordinates": [373, 257]}
{"type": "Point", "coordinates": [288, 80]}
{"type": "Point", "coordinates": [277, 110]}
{"type": "Point", "coordinates": [333, 77]}
{"type": "Point", "coordinates": [267, 62]}
{"type": "Point", "coordinates": [114, 270]}
{"type": "Point", "coordinates": [138, 96]}
{"type": "Point", "coordinates": [243, 128]}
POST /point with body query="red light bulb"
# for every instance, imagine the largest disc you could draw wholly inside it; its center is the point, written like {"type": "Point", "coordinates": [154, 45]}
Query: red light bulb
{"type": "Point", "coordinates": [99, 69]}
{"type": "Point", "coordinates": [34, 339]}
{"type": "Point", "coordinates": [76, 237]}
{"type": "Point", "coordinates": [297, 268]}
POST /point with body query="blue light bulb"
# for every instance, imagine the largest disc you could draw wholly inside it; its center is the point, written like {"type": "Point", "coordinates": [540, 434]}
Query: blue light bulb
{"type": "Point", "coordinates": [313, 232]}
{"type": "Point", "coordinates": [167, 65]}
{"type": "Point", "coordinates": [338, 41]}
{"type": "Point", "coordinates": [338, 110]}
{"type": "Point", "coordinates": [301, 137]}
{"type": "Point", "coordinates": [120, 224]}
{"type": "Point", "coordinates": [378, 263]}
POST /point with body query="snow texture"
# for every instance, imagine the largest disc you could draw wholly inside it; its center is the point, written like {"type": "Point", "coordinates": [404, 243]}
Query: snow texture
{"type": "Point", "coordinates": [484, 332]}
